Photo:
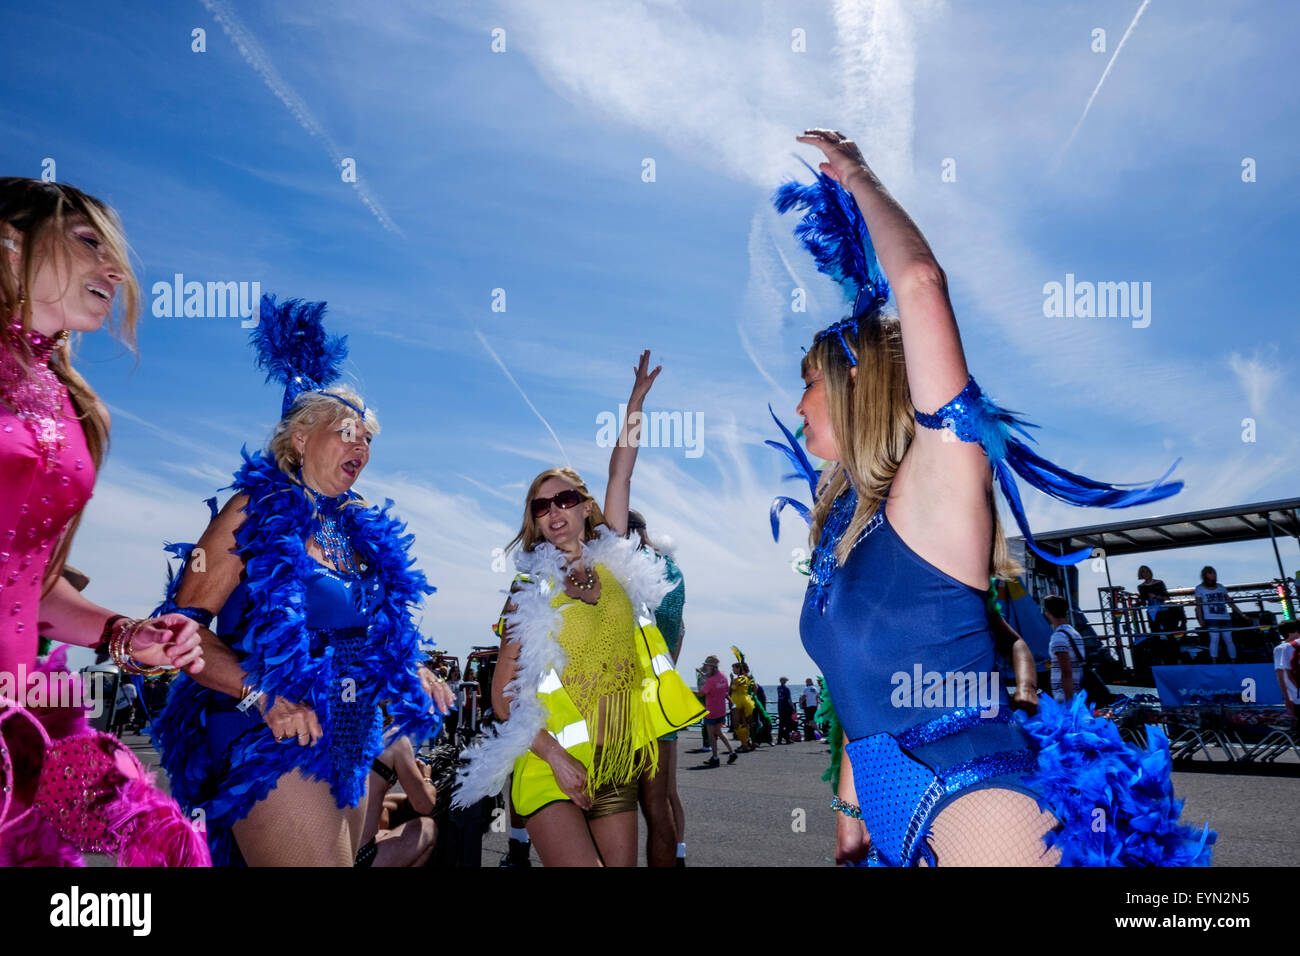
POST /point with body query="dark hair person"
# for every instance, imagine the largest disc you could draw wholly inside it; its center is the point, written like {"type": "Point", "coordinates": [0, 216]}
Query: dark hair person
{"type": "Point", "coordinates": [63, 268]}
{"type": "Point", "coordinates": [665, 817]}
{"type": "Point", "coordinates": [906, 538]}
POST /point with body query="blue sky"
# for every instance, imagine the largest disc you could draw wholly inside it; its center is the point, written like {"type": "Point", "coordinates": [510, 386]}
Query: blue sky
{"type": "Point", "coordinates": [522, 170]}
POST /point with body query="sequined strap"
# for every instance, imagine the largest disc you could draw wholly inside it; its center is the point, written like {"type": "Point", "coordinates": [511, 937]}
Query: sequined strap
{"type": "Point", "coordinates": [959, 415]}
{"type": "Point", "coordinates": [952, 722]}
{"type": "Point", "coordinates": [200, 614]}
{"type": "Point", "coordinates": [971, 772]}
{"type": "Point", "coordinates": [366, 855]}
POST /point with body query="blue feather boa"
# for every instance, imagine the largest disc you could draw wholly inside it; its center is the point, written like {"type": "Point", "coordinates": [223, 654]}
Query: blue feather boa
{"type": "Point", "coordinates": [1115, 803]}
{"type": "Point", "coordinates": [276, 654]}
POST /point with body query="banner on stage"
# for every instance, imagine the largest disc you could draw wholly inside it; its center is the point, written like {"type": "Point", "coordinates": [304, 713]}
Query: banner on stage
{"type": "Point", "coordinates": [1196, 684]}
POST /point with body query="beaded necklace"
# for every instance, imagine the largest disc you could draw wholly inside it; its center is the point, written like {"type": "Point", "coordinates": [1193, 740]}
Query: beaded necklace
{"type": "Point", "coordinates": [34, 391]}
{"type": "Point", "coordinates": [329, 535]}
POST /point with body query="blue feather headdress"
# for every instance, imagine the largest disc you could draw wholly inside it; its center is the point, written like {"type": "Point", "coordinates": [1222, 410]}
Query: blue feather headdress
{"type": "Point", "coordinates": [834, 231]}
{"type": "Point", "coordinates": [294, 350]}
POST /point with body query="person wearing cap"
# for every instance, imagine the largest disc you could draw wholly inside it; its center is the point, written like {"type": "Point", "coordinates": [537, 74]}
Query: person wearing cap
{"type": "Point", "coordinates": [715, 689]}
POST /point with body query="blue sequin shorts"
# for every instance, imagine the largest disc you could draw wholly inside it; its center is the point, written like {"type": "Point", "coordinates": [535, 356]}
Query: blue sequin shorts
{"type": "Point", "coordinates": [903, 782]}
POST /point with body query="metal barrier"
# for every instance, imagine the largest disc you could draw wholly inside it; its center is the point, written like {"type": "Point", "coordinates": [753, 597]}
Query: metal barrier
{"type": "Point", "coordinates": [1235, 734]}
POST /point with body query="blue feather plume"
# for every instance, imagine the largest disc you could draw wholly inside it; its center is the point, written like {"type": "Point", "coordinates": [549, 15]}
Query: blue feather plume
{"type": "Point", "coordinates": [836, 235]}
{"type": "Point", "coordinates": [994, 427]}
{"type": "Point", "coordinates": [803, 469]}
{"type": "Point", "coordinates": [1086, 772]}
{"type": "Point", "coordinates": [973, 417]}
{"type": "Point", "coordinates": [293, 348]}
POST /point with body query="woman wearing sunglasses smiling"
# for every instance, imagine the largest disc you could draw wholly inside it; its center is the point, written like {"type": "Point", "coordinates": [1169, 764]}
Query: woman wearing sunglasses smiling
{"type": "Point", "coordinates": [585, 692]}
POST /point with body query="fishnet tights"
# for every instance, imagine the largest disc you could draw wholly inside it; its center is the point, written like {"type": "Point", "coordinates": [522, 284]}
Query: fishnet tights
{"type": "Point", "coordinates": [300, 824]}
{"type": "Point", "coordinates": [992, 827]}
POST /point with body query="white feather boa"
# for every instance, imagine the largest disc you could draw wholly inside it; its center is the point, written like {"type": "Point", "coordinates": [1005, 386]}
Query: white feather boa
{"type": "Point", "coordinates": [535, 625]}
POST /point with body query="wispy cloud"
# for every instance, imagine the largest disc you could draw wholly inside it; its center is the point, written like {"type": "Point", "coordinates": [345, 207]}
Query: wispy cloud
{"type": "Point", "coordinates": [257, 58]}
{"type": "Point", "coordinates": [1258, 376]}
{"type": "Point", "coordinates": [522, 394]}
{"type": "Point", "coordinates": [1104, 73]}
{"type": "Point", "coordinates": [728, 99]}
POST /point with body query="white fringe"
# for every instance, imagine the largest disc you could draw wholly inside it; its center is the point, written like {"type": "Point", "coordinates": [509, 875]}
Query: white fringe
{"type": "Point", "coordinates": [534, 624]}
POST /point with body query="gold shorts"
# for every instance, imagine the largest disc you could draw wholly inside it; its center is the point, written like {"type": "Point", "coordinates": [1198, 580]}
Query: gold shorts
{"type": "Point", "coordinates": [613, 798]}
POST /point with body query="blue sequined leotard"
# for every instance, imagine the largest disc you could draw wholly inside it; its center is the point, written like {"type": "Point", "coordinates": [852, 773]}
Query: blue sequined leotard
{"type": "Point", "coordinates": [908, 657]}
{"type": "Point", "coordinates": [338, 607]}
{"type": "Point", "coordinates": [902, 645]}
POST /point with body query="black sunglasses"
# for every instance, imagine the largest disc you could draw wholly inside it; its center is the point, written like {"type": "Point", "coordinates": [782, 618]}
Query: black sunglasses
{"type": "Point", "coordinates": [566, 499]}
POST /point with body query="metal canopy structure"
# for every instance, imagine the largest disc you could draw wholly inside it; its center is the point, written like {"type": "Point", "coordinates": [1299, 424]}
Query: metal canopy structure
{"type": "Point", "coordinates": [1253, 522]}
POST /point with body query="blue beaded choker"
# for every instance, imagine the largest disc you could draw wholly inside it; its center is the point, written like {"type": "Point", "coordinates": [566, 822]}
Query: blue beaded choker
{"type": "Point", "coordinates": [329, 535]}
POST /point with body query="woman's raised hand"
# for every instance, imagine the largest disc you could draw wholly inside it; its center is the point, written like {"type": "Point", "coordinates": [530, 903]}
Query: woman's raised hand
{"type": "Point", "coordinates": [644, 378]}
{"type": "Point", "coordinates": [843, 158]}
{"type": "Point", "coordinates": [169, 640]}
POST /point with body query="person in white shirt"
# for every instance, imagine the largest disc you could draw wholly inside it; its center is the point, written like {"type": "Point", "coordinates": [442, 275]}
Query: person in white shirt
{"type": "Point", "coordinates": [1287, 666]}
{"type": "Point", "coordinates": [811, 698]}
{"type": "Point", "coordinates": [1212, 603]}
{"type": "Point", "coordinates": [1066, 649]}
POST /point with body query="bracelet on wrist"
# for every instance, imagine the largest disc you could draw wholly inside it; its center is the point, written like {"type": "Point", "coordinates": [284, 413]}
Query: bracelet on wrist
{"type": "Point", "coordinates": [117, 640]}
{"type": "Point", "coordinates": [848, 809]}
{"type": "Point", "coordinates": [106, 634]}
{"type": "Point", "coordinates": [119, 647]}
{"type": "Point", "coordinates": [250, 697]}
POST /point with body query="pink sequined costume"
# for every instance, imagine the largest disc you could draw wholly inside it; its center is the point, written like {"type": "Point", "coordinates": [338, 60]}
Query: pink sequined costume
{"type": "Point", "coordinates": [65, 789]}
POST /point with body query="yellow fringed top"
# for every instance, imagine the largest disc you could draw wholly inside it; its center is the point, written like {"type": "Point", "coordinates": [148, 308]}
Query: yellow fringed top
{"type": "Point", "coordinates": [603, 679]}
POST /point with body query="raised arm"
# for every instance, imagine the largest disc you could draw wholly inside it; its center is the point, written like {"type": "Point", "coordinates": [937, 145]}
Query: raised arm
{"type": "Point", "coordinates": [940, 502]}
{"type": "Point", "coordinates": [623, 459]}
{"type": "Point", "coordinates": [936, 363]}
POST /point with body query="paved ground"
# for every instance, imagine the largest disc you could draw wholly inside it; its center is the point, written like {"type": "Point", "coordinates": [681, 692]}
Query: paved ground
{"type": "Point", "coordinates": [770, 809]}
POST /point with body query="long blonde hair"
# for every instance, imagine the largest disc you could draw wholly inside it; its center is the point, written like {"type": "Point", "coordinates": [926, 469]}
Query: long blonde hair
{"type": "Point", "coordinates": [872, 418]}
{"type": "Point", "coordinates": [40, 211]}
{"type": "Point", "coordinates": [530, 535]}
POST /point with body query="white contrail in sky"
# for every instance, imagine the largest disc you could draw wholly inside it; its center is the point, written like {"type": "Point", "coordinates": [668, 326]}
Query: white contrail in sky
{"type": "Point", "coordinates": [1075, 132]}
{"type": "Point", "coordinates": [260, 61]}
{"type": "Point", "coordinates": [496, 358]}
